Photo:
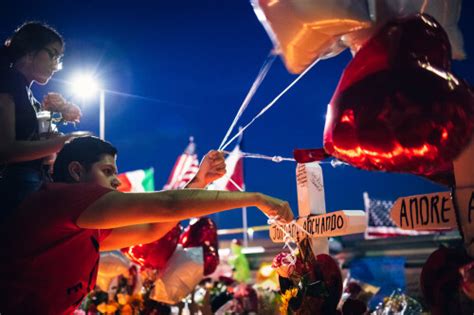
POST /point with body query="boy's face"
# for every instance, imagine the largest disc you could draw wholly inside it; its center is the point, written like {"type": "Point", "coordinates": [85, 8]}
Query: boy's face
{"type": "Point", "coordinates": [103, 172]}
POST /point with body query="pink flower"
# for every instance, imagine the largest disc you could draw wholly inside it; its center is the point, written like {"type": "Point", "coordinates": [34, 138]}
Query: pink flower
{"type": "Point", "coordinates": [72, 113]}
{"type": "Point", "coordinates": [54, 102]}
{"type": "Point", "coordinates": [284, 264]}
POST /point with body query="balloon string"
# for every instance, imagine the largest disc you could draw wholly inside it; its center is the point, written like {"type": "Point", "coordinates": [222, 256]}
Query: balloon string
{"type": "Point", "coordinates": [222, 147]}
{"type": "Point", "coordinates": [277, 159]}
{"type": "Point", "coordinates": [234, 183]}
{"type": "Point", "coordinates": [301, 229]}
{"type": "Point", "coordinates": [258, 80]}
{"type": "Point", "coordinates": [287, 237]}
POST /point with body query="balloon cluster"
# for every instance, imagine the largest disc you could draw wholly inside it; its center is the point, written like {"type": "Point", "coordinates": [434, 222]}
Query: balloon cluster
{"type": "Point", "coordinates": [304, 31]}
{"type": "Point", "coordinates": [397, 106]}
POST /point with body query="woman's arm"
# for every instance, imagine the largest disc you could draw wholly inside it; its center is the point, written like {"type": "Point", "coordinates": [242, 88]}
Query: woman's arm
{"type": "Point", "coordinates": [12, 150]}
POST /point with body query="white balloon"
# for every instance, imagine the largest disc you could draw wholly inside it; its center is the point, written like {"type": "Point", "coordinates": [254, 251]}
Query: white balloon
{"type": "Point", "coordinates": [303, 31]}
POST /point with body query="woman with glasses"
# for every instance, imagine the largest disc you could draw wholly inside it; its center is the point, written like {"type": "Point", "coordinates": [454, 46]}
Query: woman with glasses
{"type": "Point", "coordinates": [32, 54]}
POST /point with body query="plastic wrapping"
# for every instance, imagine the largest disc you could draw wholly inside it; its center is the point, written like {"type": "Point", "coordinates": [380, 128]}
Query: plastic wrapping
{"type": "Point", "coordinates": [181, 275]}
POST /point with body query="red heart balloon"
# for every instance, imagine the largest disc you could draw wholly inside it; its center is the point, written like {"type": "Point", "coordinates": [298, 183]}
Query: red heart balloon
{"type": "Point", "coordinates": [155, 254]}
{"type": "Point", "coordinates": [211, 259]}
{"type": "Point", "coordinates": [397, 108]}
{"type": "Point", "coordinates": [203, 232]}
{"type": "Point", "coordinates": [199, 233]}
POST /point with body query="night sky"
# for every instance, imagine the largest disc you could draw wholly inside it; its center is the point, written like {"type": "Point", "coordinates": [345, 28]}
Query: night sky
{"type": "Point", "coordinates": [182, 68]}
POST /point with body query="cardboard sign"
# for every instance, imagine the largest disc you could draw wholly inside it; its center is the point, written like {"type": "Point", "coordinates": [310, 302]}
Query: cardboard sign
{"type": "Point", "coordinates": [311, 200]}
{"type": "Point", "coordinates": [322, 226]}
{"type": "Point", "coordinates": [464, 174]}
{"type": "Point", "coordinates": [424, 212]}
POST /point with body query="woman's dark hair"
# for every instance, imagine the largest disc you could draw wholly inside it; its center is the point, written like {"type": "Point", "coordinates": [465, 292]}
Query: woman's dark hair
{"type": "Point", "coordinates": [85, 150]}
{"type": "Point", "coordinates": [29, 37]}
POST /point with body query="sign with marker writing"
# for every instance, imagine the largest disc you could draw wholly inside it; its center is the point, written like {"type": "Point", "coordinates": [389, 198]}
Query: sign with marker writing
{"type": "Point", "coordinates": [311, 201]}
{"type": "Point", "coordinates": [337, 223]}
{"type": "Point", "coordinates": [424, 212]}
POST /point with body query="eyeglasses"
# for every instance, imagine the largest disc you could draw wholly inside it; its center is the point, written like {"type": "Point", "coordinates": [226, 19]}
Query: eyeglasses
{"type": "Point", "coordinates": [55, 57]}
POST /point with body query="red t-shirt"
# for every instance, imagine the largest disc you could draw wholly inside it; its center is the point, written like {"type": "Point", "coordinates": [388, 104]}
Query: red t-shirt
{"type": "Point", "coordinates": [47, 263]}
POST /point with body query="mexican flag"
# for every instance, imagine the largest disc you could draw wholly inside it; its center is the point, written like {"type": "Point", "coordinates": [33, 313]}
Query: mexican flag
{"type": "Point", "coordinates": [137, 181]}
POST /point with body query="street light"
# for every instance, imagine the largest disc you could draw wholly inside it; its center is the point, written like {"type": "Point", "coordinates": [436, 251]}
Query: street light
{"type": "Point", "coordinates": [86, 86]}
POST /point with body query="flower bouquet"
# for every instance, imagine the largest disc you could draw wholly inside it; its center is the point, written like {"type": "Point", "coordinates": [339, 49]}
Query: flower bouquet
{"type": "Point", "coordinates": [68, 112]}
{"type": "Point", "coordinates": [308, 284]}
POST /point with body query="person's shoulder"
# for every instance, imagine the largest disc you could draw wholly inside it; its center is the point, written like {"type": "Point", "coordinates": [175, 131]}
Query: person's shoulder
{"type": "Point", "coordinates": [57, 188]}
{"type": "Point", "coordinates": [9, 74]}
{"type": "Point", "coordinates": [57, 195]}
{"type": "Point", "coordinates": [10, 80]}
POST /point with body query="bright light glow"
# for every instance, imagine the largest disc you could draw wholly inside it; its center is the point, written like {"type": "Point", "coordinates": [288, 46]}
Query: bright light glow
{"type": "Point", "coordinates": [253, 250]}
{"type": "Point", "coordinates": [250, 232]}
{"type": "Point", "coordinates": [225, 252]}
{"type": "Point", "coordinates": [85, 85]}
{"type": "Point", "coordinates": [266, 271]}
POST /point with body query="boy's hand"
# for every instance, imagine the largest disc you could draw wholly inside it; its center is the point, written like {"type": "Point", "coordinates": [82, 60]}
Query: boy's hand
{"type": "Point", "coordinates": [212, 168]}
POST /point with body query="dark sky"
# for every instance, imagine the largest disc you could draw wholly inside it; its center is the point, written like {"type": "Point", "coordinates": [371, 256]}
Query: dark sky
{"type": "Point", "coordinates": [189, 64]}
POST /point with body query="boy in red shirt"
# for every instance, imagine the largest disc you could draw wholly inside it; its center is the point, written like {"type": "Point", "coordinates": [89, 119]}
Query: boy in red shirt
{"type": "Point", "coordinates": [50, 246]}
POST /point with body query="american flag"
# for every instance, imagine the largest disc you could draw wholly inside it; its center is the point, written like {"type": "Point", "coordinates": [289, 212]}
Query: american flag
{"type": "Point", "coordinates": [379, 224]}
{"type": "Point", "coordinates": [185, 168]}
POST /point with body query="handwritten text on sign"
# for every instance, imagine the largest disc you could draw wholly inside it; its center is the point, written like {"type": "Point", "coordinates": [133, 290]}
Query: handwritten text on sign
{"type": "Point", "coordinates": [429, 212]}
{"type": "Point", "coordinates": [326, 225]}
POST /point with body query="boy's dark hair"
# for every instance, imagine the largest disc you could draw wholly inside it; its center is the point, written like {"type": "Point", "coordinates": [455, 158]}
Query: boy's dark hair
{"type": "Point", "coordinates": [85, 150]}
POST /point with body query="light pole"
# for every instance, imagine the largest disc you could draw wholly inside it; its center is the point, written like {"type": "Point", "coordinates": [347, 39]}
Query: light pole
{"type": "Point", "coordinates": [86, 86]}
{"type": "Point", "coordinates": [102, 114]}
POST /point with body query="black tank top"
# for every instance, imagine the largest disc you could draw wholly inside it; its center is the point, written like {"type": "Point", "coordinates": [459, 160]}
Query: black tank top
{"type": "Point", "coordinates": [15, 84]}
